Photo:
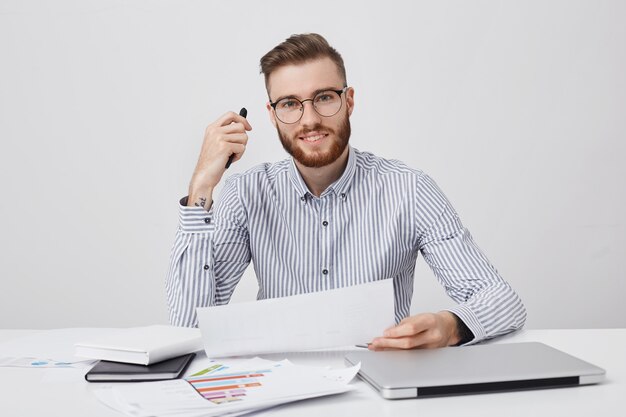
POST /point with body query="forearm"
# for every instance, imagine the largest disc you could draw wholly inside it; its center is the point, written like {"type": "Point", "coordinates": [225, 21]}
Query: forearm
{"type": "Point", "coordinates": [200, 197]}
{"type": "Point", "coordinates": [190, 281]}
{"type": "Point", "coordinates": [492, 311]}
{"type": "Point", "coordinates": [488, 305]}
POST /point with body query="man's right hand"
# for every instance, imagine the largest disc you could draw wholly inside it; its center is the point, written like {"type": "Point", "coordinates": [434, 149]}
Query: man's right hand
{"type": "Point", "coordinates": [222, 138]}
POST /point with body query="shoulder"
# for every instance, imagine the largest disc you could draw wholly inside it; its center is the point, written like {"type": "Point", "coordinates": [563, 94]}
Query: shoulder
{"type": "Point", "coordinates": [250, 188]}
{"type": "Point", "coordinates": [267, 173]}
{"type": "Point", "coordinates": [368, 164]}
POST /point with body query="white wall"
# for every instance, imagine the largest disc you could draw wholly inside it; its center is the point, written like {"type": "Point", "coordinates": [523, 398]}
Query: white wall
{"type": "Point", "coordinates": [517, 109]}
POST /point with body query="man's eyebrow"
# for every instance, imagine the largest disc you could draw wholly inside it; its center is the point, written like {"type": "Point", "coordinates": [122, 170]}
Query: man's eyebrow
{"type": "Point", "coordinates": [319, 90]}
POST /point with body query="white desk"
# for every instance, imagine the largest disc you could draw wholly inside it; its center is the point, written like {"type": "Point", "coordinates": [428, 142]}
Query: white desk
{"type": "Point", "coordinates": [41, 392]}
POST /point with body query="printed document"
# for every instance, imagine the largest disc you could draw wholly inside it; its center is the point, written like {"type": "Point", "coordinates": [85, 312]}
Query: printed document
{"type": "Point", "coordinates": [226, 389]}
{"type": "Point", "coordinates": [340, 317]}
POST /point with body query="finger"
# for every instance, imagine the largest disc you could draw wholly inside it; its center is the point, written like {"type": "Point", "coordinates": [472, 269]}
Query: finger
{"type": "Point", "coordinates": [235, 138]}
{"type": "Point", "coordinates": [237, 149]}
{"type": "Point", "coordinates": [401, 330]}
{"type": "Point", "coordinates": [395, 325]}
{"type": "Point", "coordinates": [230, 117]}
{"type": "Point", "coordinates": [237, 156]}
{"type": "Point", "coordinates": [405, 328]}
{"type": "Point", "coordinates": [235, 127]}
{"type": "Point", "coordinates": [421, 341]}
{"type": "Point", "coordinates": [228, 148]}
{"type": "Point", "coordinates": [376, 349]}
{"type": "Point", "coordinates": [412, 325]}
{"type": "Point", "coordinates": [227, 118]}
{"type": "Point", "coordinates": [381, 343]}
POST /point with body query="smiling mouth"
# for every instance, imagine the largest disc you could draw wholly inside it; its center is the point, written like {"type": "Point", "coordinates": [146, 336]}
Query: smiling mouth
{"type": "Point", "coordinates": [313, 138]}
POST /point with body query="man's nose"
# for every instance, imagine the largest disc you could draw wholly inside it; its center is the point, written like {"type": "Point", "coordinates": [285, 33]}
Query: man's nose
{"type": "Point", "coordinates": [310, 117]}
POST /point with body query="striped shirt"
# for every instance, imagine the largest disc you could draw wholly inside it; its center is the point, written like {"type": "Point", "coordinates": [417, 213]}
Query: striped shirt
{"type": "Point", "coordinates": [368, 225]}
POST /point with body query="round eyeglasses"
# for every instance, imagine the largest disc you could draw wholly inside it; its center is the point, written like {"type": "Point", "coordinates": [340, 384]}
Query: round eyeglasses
{"type": "Point", "coordinates": [326, 103]}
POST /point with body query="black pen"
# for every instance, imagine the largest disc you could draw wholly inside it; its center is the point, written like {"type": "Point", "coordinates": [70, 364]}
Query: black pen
{"type": "Point", "coordinates": [243, 112]}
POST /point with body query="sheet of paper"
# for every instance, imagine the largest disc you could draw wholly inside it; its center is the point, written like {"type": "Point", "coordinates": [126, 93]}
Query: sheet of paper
{"type": "Point", "coordinates": [345, 316]}
{"type": "Point", "coordinates": [48, 348]}
{"type": "Point", "coordinates": [12, 362]}
{"type": "Point", "coordinates": [66, 376]}
{"type": "Point", "coordinates": [244, 386]}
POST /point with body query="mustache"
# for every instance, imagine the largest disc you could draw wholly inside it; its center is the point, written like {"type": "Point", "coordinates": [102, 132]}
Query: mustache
{"type": "Point", "coordinates": [316, 128]}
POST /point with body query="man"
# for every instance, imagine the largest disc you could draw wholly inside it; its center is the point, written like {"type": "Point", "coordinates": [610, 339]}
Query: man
{"type": "Point", "coordinates": [329, 217]}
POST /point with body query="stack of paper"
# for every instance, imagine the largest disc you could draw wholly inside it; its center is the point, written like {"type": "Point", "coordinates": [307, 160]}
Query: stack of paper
{"type": "Point", "coordinates": [227, 390]}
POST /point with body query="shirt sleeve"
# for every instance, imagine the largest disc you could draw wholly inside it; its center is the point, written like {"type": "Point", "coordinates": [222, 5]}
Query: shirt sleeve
{"type": "Point", "coordinates": [486, 303]}
{"type": "Point", "coordinates": [210, 254]}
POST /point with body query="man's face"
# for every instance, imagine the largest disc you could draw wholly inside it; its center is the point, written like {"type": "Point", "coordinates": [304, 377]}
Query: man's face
{"type": "Point", "coordinates": [314, 141]}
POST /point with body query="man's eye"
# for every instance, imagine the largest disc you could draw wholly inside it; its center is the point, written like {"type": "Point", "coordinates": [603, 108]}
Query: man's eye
{"type": "Point", "coordinates": [324, 97]}
{"type": "Point", "coordinates": [288, 104]}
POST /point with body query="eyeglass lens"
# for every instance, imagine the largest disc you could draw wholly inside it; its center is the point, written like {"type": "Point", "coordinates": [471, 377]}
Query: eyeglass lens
{"type": "Point", "coordinates": [325, 103]}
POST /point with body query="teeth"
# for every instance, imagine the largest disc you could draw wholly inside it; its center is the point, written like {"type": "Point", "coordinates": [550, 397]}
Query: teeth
{"type": "Point", "coordinates": [313, 138]}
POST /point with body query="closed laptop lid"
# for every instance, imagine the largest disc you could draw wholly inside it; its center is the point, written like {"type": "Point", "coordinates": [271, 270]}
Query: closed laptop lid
{"type": "Point", "coordinates": [472, 369]}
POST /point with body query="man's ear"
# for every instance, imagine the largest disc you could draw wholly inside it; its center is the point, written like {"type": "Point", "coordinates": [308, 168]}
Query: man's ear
{"type": "Point", "coordinates": [271, 113]}
{"type": "Point", "coordinates": [350, 100]}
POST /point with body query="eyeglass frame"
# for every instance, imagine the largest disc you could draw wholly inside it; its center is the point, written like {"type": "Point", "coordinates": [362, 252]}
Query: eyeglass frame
{"type": "Point", "coordinates": [339, 93]}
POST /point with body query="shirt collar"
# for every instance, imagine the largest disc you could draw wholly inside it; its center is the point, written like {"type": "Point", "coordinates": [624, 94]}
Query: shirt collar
{"type": "Point", "coordinates": [340, 187]}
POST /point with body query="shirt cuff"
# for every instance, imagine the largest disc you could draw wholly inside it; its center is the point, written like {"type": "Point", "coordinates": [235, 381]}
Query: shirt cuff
{"type": "Point", "coordinates": [471, 321]}
{"type": "Point", "coordinates": [195, 219]}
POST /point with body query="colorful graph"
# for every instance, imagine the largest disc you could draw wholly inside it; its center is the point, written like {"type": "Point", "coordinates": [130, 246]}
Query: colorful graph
{"type": "Point", "coordinates": [211, 369]}
{"type": "Point", "coordinates": [225, 388]}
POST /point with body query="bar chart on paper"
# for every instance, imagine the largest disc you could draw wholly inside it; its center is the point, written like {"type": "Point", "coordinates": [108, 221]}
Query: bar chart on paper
{"type": "Point", "coordinates": [221, 389]}
{"type": "Point", "coordinates": [224, 388]}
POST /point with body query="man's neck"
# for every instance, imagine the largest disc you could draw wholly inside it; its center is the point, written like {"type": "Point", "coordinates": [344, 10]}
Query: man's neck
{"type": "Point", "coordinates": [318, 179]}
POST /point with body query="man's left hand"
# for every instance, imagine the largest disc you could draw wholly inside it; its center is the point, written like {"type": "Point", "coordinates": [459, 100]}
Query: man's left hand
{"type": "Point", "coordinates": [426, 331]}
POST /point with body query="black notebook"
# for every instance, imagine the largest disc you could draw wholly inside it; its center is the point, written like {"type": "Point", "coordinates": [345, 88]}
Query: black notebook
{"type": "Point", "coordinates": [107, 371]}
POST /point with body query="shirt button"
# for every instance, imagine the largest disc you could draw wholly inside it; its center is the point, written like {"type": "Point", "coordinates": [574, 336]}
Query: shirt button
{"type": "Point", "coordinates": [206, 267]}
{"type": "Point", "coordinates": [325, 272]}
{"type": "Point", "coordinates": [324, 223]}
{"type": "Point", "coordinates": [207, 220]}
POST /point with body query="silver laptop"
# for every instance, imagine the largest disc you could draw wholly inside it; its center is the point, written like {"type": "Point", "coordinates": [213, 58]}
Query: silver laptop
{"type": "Point", "coordinates": [471, 369]}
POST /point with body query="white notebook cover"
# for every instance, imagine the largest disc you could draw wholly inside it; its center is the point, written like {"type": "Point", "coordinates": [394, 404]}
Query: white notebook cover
{"type": "Point", "coordinates": [142, 345]}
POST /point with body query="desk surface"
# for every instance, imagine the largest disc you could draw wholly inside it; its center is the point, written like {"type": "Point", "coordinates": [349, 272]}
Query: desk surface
{"type": "Point", "coordinates": [30, 392]}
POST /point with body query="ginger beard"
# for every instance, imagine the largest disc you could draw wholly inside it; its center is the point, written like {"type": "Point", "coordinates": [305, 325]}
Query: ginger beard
{"type": "Point", "coordinates": [317, 159]}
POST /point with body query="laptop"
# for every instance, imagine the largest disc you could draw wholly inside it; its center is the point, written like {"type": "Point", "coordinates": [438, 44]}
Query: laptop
{"type": "Point", "coordinates": [471, 370]}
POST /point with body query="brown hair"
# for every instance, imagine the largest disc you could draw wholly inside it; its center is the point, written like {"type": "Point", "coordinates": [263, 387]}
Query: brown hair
{"type": "Point", "coordinates": [298, 49]}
